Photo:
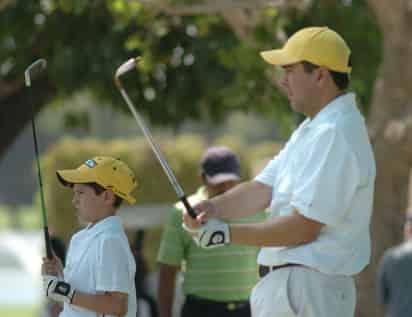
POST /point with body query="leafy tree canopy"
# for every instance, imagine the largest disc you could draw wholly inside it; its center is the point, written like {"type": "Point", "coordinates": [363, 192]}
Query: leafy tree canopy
{"type": "Point", "coordinates": [194, 66]}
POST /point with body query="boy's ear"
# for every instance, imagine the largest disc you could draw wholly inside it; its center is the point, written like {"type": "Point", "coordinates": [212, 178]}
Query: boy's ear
{"type": "Point", "coordinates": [109, 196]}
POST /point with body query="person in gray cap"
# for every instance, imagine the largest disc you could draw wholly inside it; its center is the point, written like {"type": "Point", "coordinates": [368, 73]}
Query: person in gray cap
{"type": "Point", "coordinates": [216, 282]}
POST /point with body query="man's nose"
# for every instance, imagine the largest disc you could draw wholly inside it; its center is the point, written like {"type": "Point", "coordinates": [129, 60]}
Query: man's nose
{"type": "Point", "coordinates": [283, 82]}
{"type": "Point", "coordinates": [283, 85]}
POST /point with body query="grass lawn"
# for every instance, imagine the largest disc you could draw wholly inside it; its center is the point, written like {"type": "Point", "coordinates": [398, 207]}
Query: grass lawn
{"type": "Point", "coordinates": [16, 311]}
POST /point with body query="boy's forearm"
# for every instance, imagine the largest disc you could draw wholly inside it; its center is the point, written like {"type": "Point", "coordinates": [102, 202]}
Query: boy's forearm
{"type": "Point", "coordinates": [108, 303]}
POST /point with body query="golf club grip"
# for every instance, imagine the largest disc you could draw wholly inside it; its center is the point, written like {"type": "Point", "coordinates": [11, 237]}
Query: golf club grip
{"type": "Point", "coordinates": [49, 252]}
{"type": "Point", "coordinates": [189, 208]}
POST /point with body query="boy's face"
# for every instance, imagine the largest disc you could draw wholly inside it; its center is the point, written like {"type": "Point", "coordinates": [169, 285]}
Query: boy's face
{"type": "Point", "coordinates": [90, 206]}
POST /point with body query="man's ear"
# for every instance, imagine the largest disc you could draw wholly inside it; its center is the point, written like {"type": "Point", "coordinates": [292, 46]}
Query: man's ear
{"type": "Point", "coordinates": [322, 75]}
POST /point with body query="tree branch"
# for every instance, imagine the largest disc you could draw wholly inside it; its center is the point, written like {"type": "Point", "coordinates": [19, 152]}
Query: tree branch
{"type": "Point", "coordinates": [240, 15]}
{"type": "Point", "coordinates": [240, 22]}
{"type": "Point", "coordinates": [9, 87]}
{"type": "Point", "coordinates": [219, 6]}
{"type": "Point", "coordinates": [386, 12]}
{"type": "Point", "coordinates": [16, 110]}
{"type": "Point", "coordinates": [4, 4]}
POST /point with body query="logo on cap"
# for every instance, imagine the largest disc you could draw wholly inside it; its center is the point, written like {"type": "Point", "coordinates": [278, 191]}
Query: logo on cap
{"type": "Point", "coordinates": [90, 163]}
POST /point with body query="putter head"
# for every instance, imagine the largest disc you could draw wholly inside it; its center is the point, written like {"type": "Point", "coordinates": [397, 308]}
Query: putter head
{"type": "Point", "coordinates": [124, 68]}
{"type": "Point", "coordinates": [35, 68]}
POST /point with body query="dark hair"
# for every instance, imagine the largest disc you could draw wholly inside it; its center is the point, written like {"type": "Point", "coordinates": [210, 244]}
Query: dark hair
{"type": "Point", "coordinates": [341, 80]}
{"type": "Point", "coordinates": [99, 189]}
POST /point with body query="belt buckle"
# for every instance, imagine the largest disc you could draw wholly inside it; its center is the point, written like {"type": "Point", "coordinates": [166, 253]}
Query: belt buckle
{"type": "Point", "coordinates": [264, 270]}
{"type": "Point", "coordinates": [231, 306]}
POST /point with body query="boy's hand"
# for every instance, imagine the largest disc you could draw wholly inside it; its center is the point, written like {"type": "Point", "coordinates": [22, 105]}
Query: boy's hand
{"type": "Point", "coordinates": [57, 289]}
{"type": "Point", "coordinates": [52, 267]}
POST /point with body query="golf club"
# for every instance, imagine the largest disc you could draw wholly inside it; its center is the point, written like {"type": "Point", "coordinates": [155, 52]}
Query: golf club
{"type": "Point", "coordinates": [34, 69]}
{"type": "Point", "coordinates": [121, 70]}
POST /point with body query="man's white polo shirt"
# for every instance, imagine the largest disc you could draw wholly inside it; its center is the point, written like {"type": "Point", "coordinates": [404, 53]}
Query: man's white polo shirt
{"type": "Point", "coordinates": [326, 172]}
{"type": "Point", "coordinates": [99, 260]}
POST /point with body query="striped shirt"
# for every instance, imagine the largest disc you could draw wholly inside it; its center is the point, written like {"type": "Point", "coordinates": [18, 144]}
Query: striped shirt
{"type": "Point", "coordinates": [220, 274]}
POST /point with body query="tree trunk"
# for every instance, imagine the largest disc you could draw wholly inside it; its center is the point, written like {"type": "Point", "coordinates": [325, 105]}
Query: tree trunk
{"type": "Point", "coordinates": [390, 127]}
{"type": "Point", "coordinates": [16, 110]}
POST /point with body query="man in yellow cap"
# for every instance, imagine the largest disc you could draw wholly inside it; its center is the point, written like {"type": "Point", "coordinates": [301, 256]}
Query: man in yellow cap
{"type": "Point", "coordinates": [319, 189]}
{"type": "Point", "coordinates": [99, 275]}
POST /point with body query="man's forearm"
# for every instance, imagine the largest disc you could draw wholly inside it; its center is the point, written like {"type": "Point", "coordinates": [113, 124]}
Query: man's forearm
{"type": "Point", "coordinates": [288, 230]}
{"type": "Point", "coordinates": [244, 200]}
{"type": "Point", "coordinates": [108, 303]}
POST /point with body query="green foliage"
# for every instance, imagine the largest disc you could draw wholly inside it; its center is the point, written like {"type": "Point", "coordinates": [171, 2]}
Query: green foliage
{"type": "Point", "coordinates": [193, 66]}
{"type": "Point", "coordinates": [84, 42]}
{"type": "Point", "coordinates": [5, 220]}
{"type": "Point", "coordinates": [24, 217]}
{"type": "Point", "coordinates": [29, 217]}
{"type": "Point", "coordinates": [19, 311]}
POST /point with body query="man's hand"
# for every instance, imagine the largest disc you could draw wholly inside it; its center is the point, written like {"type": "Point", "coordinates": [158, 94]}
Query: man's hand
{"type": "Point", "coordinates": [214, 233]}
{"type": "Point", "coordinates": [57, 289]}
{"type": "Point", "coordinates": [204, 210]}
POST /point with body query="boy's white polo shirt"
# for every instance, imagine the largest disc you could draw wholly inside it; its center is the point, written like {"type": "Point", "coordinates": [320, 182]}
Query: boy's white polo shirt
{"type": "Point", "coordinates": [326, 171]}
{"type": "Point", "coordinates": [99, 260]}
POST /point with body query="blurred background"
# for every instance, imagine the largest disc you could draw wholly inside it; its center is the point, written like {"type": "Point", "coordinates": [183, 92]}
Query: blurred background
{"type": "Point", "coordinates": [201, 82]}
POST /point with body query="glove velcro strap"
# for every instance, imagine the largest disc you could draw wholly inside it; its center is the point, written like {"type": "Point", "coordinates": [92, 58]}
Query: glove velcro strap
{"type": "Point", "coordinates": [48, 287]}
{"type": "Point", "coordinates": [72, 297]}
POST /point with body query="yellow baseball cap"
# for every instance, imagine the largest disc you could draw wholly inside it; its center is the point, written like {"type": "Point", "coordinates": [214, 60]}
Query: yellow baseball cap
{"type": "Point", "coordinates": [108, 172]}
{"type": "Point", "coordinates": [318, 45]}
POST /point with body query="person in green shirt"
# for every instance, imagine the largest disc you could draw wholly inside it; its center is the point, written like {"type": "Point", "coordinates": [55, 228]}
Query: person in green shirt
{"type": "Point", "coordinates": [217, 282]}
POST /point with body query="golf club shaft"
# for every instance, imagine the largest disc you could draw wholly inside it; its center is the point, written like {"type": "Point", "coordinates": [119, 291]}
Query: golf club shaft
{"type": "Point", "coordinates": [42, 201]}
{"type": "Point", "coordinates": [178, 189]}
{"type": "Point", "coordinates": [27, 75]}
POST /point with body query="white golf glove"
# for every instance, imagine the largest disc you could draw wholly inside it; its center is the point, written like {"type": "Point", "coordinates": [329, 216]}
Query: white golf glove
{"type": "Point", "coordinates": [214, 233]}
{"type": "Point", "coordinates": [57, 289]}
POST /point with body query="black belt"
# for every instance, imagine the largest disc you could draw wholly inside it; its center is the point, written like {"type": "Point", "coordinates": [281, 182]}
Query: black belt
{"type": "Point", "coordinates": [263, 269]}
{"type": "Point", "coordinates": [229, 305]}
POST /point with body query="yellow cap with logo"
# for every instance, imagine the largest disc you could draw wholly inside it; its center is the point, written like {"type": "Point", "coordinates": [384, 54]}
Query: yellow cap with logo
{"type": "Point", "coordinates": [108, 172]}
{"type": "Point", "coordinates": [318, 45]}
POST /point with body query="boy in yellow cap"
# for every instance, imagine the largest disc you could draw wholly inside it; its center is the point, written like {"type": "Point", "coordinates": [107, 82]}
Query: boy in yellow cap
{"type": "Point", "coordinates": [99, 275]}
{"type": "Point", "coordinates": [319, 189]}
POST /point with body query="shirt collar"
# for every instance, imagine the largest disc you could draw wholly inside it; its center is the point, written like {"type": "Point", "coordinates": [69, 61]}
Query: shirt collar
{"type": "Point", "coordinates": [340, 104]}
{"type": "Point", "coordinates": [105, 224]}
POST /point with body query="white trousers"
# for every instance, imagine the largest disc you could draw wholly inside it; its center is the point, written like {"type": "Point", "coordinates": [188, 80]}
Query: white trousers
{"type": "Point", "coordinates": [303, 292]}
